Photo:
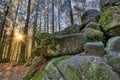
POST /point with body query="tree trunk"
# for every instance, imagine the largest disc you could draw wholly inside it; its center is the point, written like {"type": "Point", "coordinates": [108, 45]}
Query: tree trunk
{"type": "Point", "coordinates": [48, 18]}
{"type": "Point", "coordinates": [4, 21]}
{"type": "Point", "coordinates": [59, 15]}
{"type": "Point", "coordinates": [25, 32]}
{"type": "Point", "coordinates": [40, 23]}
{"type": "Point", "coordinates": [71, 13]}
{"type": "Point", "coordinates": [2, 32]}
{"type": "Point", "coordinates": [35, 25]}
{"type": "Point", "coordinates": [12, 34]}
{"type": "Point", "coordinates": [52, 27]}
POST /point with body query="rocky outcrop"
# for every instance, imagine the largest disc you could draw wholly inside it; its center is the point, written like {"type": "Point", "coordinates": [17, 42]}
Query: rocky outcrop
{"type": "Point", "coordinates": [61, 45]}
{"type": "Point", "coordinates": [63, 49]}
{"type": "Point", "coordinates": [79, 68]}
{"type": "Point", "coordinates": [94, 48]}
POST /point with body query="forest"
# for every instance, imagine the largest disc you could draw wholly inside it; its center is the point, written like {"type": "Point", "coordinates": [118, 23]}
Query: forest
{"type": "Point", "coordinates": [59, 39]}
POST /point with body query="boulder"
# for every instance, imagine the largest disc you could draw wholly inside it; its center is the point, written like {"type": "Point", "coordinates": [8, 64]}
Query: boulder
{"type": "Point", "coordinates": [69, 30]}
{"type": "Point", "coordinates": [90, 14]}
{"type": "Point", "coordinates": [94, 48]}
{"type": "Point", "coordinates": [93, 25]}
{"type": "Point", "coordinates": [113, 53]}
{"type": "Point", "coordinates": [113, 46]}
{"type": "Point", "coordinates": [93, 35]}
{"type": "Point", "coordinates": [110, 21]}
{"type": "Point", "coordinates": [61, 45]}
{"type": "Point", "coordinates": [79, 68]}
{"type": "Point", "coordinates": [104, 4]}
{"type": "Point", "coordinates": [113, 61]}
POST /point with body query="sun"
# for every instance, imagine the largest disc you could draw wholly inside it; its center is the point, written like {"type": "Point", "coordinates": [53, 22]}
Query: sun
{"type": "Point", "coordinates": [19, 37]}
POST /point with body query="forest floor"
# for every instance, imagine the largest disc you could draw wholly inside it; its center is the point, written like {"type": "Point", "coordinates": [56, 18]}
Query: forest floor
{"type": "Point", "coordinates": [10, 72]}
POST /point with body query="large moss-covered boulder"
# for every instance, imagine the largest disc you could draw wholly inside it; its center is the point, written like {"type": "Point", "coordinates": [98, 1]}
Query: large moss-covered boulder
{"type": "Point", "coordinates": [69, 30]}
{"type": "Point", "coordinates": [79, 68]}
{"type": "Point", "coordinates": [94, 48]}
{"type": "Point", "coordinates": [110, 21]}
{"type": "Point", "coordinates": [90, 14]}
{"type": "Point", "coordinates": [61, 45]}
{"type": "Point", "coordinates": [93, 35]}
{"type": "Point", "coordinates": [104, 4]}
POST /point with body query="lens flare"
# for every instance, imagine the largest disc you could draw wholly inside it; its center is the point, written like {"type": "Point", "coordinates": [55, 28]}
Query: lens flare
{"type": "Point", "coordinates": [19, 37]}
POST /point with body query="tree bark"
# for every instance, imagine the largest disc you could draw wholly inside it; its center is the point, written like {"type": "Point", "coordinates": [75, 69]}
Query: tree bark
{"type": "Point", "coordinates": [12, 34]}
{"type": "Point", "coordinates": [35, 25]}
{"type": "Point", "coordinates": [52, 27]}
{"type": "Point", "coordinates": [71, 13]}
{"type": "Point", "coordinates": [25, 32]}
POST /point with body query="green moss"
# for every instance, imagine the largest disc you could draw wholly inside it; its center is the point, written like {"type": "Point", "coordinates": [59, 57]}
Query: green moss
{"type": "Point", "coordinates": [57, 60]}
{"type": "Point", "coordinates": [92, 25]}
{"type": "Point", "coordinates": [57, 46]}
{"type": "Point", "coordinates": [30, 74]}
{"type": "Point", "coordinates": [69, 30]}
{"type": "Point", "coordinates": [54, 45]}
{"type": "Point", "coordinates": [42, 36]}
{"type": "Point", "coordinates": [106, 15]}
{"type": "Point", "coordinates": [97, 73]}
{"type": "Point", "coordinates": [72, 74]}
{"type": "Point", "coordinates": [39, 76]}
{"type": "Point", "coordinates": [93, 35]}
{"type": "Point", "coordinates": [110, 22]}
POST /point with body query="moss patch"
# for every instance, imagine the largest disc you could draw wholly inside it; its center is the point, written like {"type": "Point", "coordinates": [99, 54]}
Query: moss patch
{"type": "Point", "coordinates": [93, 35]}
{"type": "Point", "coordinates": [92, 25]}
{"type": "Point", "coordinates": [57, 60]}
{"type": "Point", "coordinates": [39, 76]}
{"type": "Point", "coordinates": [30, 74]}
{"type": "Point", "coordinates": [105, 16]}
{"type": "Point", "coordinates": [42, 36]}
{"type": "Point", "coordinates": [97, 73]}
{"type": "Point", "coordinates": [110, 21]}
{"type": "Point", "coordinates": [72, 75]}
